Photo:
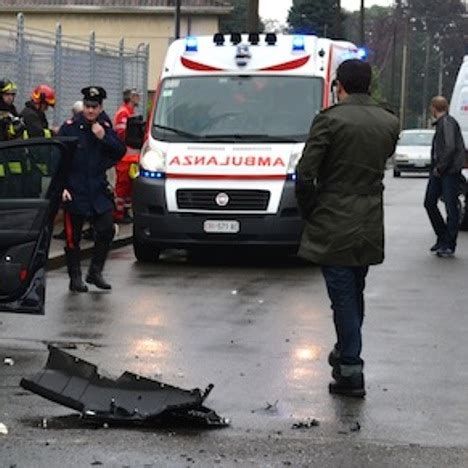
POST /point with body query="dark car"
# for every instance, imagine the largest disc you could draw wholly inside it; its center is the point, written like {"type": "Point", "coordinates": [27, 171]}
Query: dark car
{"type": "Point", "coordinates": [32, 174]}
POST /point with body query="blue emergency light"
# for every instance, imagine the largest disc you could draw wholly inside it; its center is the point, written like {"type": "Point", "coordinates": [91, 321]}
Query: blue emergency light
{"type": "Point", "coordinates": [191, 44]}
{"type": "Point", "coordinates": [298, 43]}
{"type": "Point", "coordinates": [152, 175]}
{"type": "Point", "coordinates": [362, 53]}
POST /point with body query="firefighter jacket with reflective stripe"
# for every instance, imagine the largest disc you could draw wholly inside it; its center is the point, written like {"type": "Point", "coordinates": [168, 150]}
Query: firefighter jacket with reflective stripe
{"type": "Point", "coordinates": [87, 181]}
{"type": "Point", "coordinates": [35, 121]}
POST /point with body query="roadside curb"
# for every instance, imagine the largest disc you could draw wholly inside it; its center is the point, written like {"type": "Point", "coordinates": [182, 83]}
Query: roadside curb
{"type": "Point", "coordinates": [58, 261]}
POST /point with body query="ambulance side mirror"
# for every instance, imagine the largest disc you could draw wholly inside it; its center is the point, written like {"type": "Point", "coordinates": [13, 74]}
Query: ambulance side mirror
{"type": "Point", "coordinates": [135, 132]}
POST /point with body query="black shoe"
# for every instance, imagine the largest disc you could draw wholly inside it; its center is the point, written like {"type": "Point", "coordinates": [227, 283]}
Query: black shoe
{"type": "Point", "coordinates": [435, 247]}
{"type": "Point", "coordinates": [77, 285]}
{"type": "Point", "coordinates": [445, 252]}
{"type": "Point", "coordinates": [352, 386]}
{"type": "Point", "coordinates": [95, 277]}
{"type": "Point", "coordinates": [334, 357]}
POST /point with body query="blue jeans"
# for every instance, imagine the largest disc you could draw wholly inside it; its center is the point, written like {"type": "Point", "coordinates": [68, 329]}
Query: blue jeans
{"type": "Point", "coordinates": [447, 187]}
{"type": "Point", "coordinates": [345, 287]}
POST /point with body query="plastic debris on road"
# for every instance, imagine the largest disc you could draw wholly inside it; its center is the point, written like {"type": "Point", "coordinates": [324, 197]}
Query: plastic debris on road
{"type": "Point", "coordinates": [8, 361]}
{"type": "Point", "coordinates": [3, 429]}
{"type": "Point", "coordinates": [306, 424]}
{"type": "Point", "coordinates": [130, 399]}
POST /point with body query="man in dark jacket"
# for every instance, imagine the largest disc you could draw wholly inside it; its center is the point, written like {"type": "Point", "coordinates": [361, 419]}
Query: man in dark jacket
{"type": "Point", "coordinates": [447, 161]}
{"type": "Point", "coordinates": [86, 196]}
{"type": "Point", "coordinates": [339, 193]}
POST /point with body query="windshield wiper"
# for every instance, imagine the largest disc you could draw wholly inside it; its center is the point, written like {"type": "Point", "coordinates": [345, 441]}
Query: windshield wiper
{"type": "Point", "coordinates": [261, 137]}
{"type": "Point", "coordinates": [177, 131]}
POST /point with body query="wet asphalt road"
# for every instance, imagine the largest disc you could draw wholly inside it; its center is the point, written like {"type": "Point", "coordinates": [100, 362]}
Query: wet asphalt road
{"type": "Point", "coordinates": [260, 331]}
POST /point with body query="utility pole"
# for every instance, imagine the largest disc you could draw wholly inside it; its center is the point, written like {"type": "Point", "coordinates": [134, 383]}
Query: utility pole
{"type": "Point", "coordinates": [404, 73]}
{"type": "Point", "coordinates": [362, 24]}
{"type": "Point", "coordinates": [396, 22]}
{"type": "Point", "coordinates": [253, 20]}
{"type": "Point", "coordinates": [338, 33]}
{"type": "Point", "coordinates": [177, 19]}
{"type": "Point", "coordinates": [440, 88]}
{"type": "Point", "coordinates": [426, 77]}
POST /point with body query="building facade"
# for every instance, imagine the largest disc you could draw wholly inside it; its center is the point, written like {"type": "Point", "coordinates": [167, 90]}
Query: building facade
{"type": "Point", "coordinates": [137, 21]}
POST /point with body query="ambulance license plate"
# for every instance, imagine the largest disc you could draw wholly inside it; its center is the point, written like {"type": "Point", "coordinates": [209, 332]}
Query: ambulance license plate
{"type": "Point", "coordinates": [221, 227]}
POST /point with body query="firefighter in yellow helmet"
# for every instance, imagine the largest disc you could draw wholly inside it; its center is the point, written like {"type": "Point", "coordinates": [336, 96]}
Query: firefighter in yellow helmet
{"type": "Point", "coordinates": [11, 126]}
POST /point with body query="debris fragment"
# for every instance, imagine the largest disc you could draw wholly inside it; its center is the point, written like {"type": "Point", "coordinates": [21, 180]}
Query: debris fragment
{"type": "Point", "coordinates": [272, 407]}
{"type": "Point", "coordinates": [3, 429]}
{"type": "Point", "coordinates": [356, 427]}
{"type": "Point", "coordinates": [44, 423]}
{"type": "Point", "coordinates": [130, 399]}
{"type": "Point", "coordinates": [306, 424]}
{"type": "Point", "coordinates": [261, 301]}
{"type": "Point", "coordinates": [8, 361]}
{"type": "Point", "coordinates": [234, 292]}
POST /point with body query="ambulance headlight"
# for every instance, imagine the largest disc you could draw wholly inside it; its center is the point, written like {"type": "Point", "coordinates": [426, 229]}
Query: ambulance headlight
{"type": "Point", "coordinates": [153, 160]}
{"type": "Point", "coordinates": [293, 160]}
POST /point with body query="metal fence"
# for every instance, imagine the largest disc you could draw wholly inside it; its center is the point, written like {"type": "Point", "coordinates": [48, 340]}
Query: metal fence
{"type": "Point", "coordinates": [31, 57]}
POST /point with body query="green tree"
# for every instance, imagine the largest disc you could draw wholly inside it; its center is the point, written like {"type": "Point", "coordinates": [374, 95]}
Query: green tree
{"type": "Point", "coordinates": [236, 21]}
{"type": "Point", "coordinates": [313, 17]}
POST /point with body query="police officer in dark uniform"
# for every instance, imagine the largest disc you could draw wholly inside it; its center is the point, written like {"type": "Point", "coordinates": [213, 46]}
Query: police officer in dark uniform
{"type": "Point", "coordinates": [86, 195]}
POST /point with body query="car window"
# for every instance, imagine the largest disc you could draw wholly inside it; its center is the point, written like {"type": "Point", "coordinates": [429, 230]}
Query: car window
{"type": "Point", "coordinates": [416, 139]}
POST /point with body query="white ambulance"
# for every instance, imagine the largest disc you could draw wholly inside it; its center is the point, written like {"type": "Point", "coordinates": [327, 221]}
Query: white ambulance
{"type": "Point", "coordinates": [230, 119]}
{"type": "Point", "coordinates": [459, 101]}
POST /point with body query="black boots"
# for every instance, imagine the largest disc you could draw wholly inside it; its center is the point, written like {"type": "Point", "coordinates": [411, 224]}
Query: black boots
{"type": "Point", "coordinates": [94, 276]}
{"type": "Point", "coordinates": [74, 271]}
{"type": "Point", "coordinates": [349, 380]}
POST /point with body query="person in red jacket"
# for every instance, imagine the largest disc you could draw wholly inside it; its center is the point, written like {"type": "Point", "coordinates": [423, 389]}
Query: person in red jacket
{"type": "Point", "coordinates": [123, 184]}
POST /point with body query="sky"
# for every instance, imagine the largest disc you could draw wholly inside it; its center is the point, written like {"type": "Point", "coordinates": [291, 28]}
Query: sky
{"type": "Point", "coordinates": [278, 9]}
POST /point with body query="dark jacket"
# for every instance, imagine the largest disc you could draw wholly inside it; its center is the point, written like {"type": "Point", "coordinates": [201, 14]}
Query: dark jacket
{"type": "Point", "coordinates": [5, 108]}
{"type": "Point", "coordinates": [448, 147]}
{"type": "Point", "coordinates": [339, 183]}
{"type": "Point", "coordinates": [87, 181]}
{"type": "Point", "coordinates": [35, 120]}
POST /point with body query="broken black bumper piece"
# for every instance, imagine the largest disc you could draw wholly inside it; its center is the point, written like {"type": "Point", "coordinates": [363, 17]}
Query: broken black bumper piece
{"type": "Point", "coordinates": [131, 398]}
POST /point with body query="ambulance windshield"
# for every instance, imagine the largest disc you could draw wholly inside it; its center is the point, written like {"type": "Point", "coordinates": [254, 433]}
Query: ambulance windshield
{"type": "Point", "coordinates": [237, 108]}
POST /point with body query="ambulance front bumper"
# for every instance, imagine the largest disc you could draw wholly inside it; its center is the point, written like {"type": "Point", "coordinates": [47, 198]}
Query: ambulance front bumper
{"type": "Point", "coordinates": [153, 224]}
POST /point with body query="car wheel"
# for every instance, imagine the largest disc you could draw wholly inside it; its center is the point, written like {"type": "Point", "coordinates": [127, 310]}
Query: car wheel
{"type": "Point", "coordinates": [145, 253]}
{"type": "Point", "coordinates": [396, 173]}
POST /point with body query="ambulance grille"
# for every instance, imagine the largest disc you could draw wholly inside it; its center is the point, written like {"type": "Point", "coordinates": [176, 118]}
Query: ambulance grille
{"type": "Point", "coordinates": [239, 200]}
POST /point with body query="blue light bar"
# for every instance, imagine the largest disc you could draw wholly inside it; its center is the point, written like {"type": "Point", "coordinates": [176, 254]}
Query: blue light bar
{"type": "Point", "coordinates": [152, 175]}
{"type": "Point", "coordinates": [298, 43]}
{"type": "Point", "coordinates": [291, 176]}
{"type": "Point", "coordinates": [191, 44]}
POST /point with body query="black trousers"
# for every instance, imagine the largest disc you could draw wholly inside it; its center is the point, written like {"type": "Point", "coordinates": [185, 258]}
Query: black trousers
{"type": "Point", "coordinates": [446, 187]}
{"type": "Point", "coordinates": [103, 225]}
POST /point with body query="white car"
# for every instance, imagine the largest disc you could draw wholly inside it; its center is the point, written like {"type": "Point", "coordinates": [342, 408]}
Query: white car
{"type": "Point", "coordinates": [413, 152]}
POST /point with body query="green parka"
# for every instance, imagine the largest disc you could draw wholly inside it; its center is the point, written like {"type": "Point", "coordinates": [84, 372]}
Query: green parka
{"type": "Point", "coordinates": [339, 183]}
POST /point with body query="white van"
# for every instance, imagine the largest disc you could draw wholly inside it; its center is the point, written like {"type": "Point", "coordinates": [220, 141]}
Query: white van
{"type": "Point", "coordinates": [230, 119]}
{"type": "Point", "coordinates": [459, 101]}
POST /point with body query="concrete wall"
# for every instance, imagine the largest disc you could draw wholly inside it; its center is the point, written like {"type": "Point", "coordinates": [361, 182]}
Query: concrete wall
{"type": "Point", "coordinates": [153, 28]}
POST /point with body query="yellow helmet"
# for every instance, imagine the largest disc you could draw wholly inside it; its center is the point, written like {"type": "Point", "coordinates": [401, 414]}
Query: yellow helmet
{"type": "Point", "coordinates": [7, 86]}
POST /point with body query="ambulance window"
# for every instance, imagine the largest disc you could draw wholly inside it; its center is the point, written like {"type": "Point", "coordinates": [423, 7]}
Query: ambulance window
{"type": "Point", "coordinates": [237, 106]}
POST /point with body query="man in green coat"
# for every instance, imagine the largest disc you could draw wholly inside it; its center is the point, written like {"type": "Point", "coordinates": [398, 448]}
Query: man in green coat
{"type": "Point", "coordinates": [339, 192]}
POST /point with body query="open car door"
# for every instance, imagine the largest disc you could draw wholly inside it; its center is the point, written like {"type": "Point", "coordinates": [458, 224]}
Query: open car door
{"type": "Point", "coordinates": [32, 176]}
